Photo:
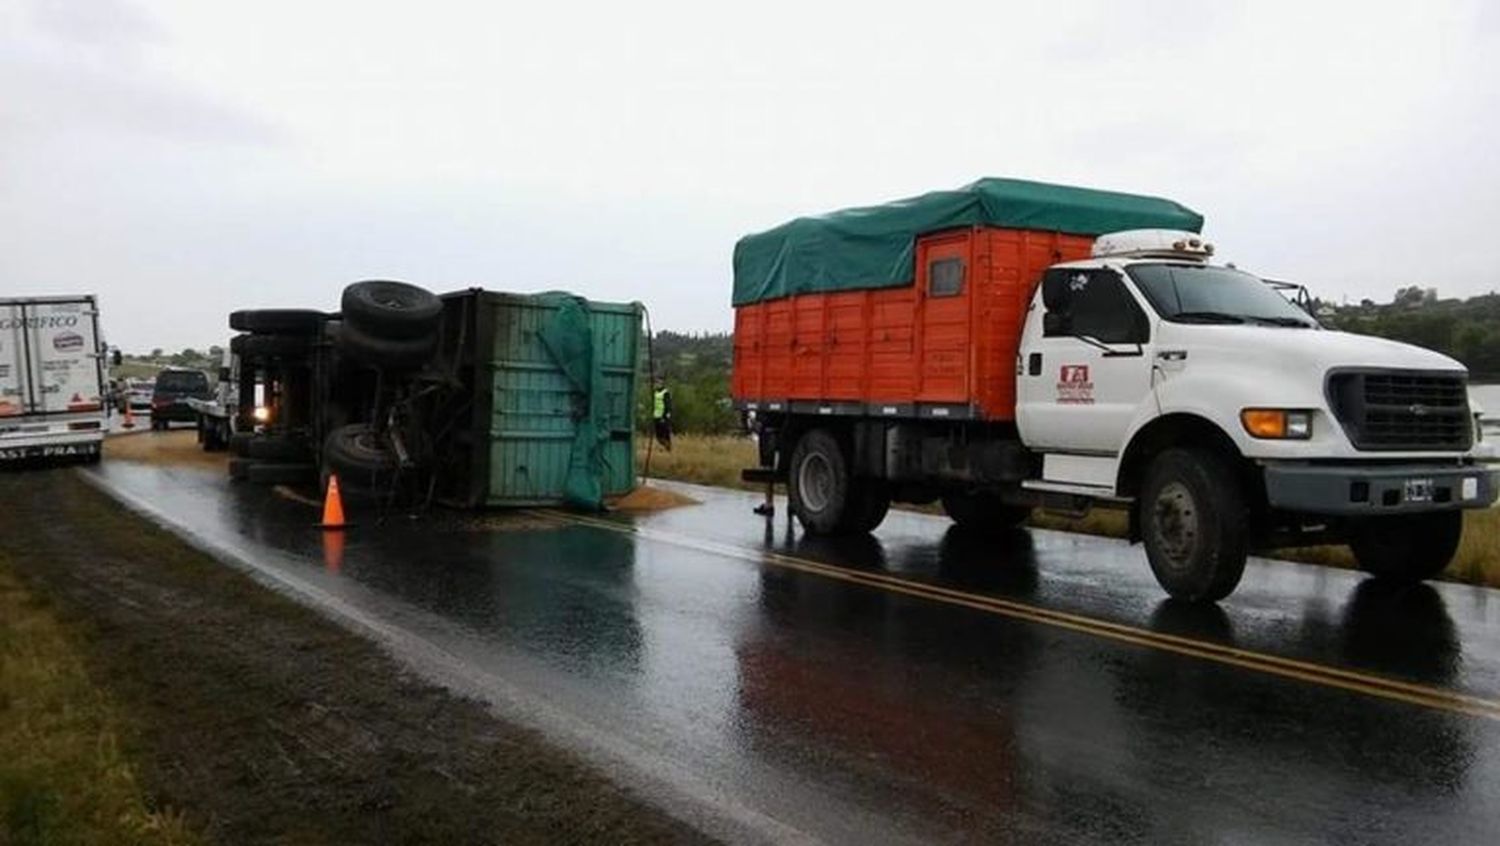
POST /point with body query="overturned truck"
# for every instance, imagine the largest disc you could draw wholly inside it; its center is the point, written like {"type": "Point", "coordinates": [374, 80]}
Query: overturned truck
{"type": "Point", "coordinates": [473, 398]}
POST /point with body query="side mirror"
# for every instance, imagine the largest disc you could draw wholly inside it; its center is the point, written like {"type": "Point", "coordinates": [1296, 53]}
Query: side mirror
{"type": "Point", "coordinates": [1057, 323]}
{"type": "Point", "coordinates": [115, 359]}
{"type": "Point", "coordinates": [1140, 327]}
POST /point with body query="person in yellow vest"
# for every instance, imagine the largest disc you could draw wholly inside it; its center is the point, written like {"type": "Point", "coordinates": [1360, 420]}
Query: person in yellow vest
{"type": "Point", "coordinates": [661, 414]}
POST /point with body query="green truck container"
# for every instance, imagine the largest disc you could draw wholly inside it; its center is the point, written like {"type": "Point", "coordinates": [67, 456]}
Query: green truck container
{"type": "Point", "coordinates": [552, 383]}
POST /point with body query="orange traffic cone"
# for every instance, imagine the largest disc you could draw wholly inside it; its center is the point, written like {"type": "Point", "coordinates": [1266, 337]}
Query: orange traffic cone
{"type": "Point", "coordinates": [333, 551]}
{"type": "Point", "coordinates": [333, 506]}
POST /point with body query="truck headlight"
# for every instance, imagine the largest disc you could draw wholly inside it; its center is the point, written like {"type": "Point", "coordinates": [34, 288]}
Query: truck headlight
{"type": "Point", "coordinates": [262, 414]}
{"type": "Point", "coordinates": [1277, 423]}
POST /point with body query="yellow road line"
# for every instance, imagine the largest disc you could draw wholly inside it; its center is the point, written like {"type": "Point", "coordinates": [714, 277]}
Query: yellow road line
{"type": "Point", "coordinates": [1307, 671]}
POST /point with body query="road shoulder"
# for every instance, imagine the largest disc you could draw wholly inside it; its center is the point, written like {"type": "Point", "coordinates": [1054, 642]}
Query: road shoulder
{"type": "Point", "coordinates": [260, 720]}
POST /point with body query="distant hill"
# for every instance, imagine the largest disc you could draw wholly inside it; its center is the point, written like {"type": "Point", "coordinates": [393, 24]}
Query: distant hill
{"type": "Point", "coordinates": [1468, 330]}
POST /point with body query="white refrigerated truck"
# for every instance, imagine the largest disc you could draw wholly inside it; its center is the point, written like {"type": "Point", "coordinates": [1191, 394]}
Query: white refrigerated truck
{"type": "Point", "coordinates": [52, 385]}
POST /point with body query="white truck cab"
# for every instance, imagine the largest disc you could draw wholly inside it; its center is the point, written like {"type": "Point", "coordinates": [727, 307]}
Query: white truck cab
{"type": "Point", "coordinates": [1228, 419]}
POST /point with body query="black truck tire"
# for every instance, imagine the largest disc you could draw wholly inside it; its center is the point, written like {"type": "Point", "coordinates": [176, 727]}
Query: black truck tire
{"type": "Point", "coordinates": [818, 484]}
{"type": "Point", "coordinates": [1195, 524]}
{"type": "Point", "coordinates": [386, 309]}
{"type": "Point", "coordinates": [869, 502]}
{"type": "Point", "coordinates": [359, 457]}
{"type": "Point", "coordinates": [386, 353]}
{"type": "Point", "coordinates": [1407, 547]}
{"type": "Point", "coordinates": [212, 434]}
{"type": "Point", "coordinates": [983, 512]}
{"type": "Point", "coordinates": [277, 448]}
{"type": "Point", "coordinates": [269, 346]}
{"type": "Point", "coordinates": [279, 473]}
{"type": "Point", "coordinates": [277, 321]}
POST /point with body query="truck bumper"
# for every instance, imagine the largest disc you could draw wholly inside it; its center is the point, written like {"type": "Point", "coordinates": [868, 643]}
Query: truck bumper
{"type": "Point", "coordinates": [56, 445]}
{"type": "Point", "coordinates": [1383, 489]}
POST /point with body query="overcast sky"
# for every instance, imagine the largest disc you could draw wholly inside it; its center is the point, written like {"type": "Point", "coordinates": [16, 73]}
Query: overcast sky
{"type": "Point", "coordinates": [182, 159]}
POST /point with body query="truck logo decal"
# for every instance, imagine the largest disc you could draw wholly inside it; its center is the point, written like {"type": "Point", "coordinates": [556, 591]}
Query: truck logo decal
{"type": "Point", "coordinates": [1418, 410]}
{"type": "Point", "coordinates": [1074, 386]}
{"type": "Point", "coordinates": [52, 321]}
{"type": "Point", "coordinates": [67, 342]}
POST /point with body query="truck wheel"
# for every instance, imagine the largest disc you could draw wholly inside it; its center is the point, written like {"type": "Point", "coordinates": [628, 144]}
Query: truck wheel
{"type": "Point", "coordinates": [208, 436]}
{"type": "Point", "coordinates": [359, 456]}
{"type": "Point", "coordinates": [269, 346]}
{"type": "Point", "coordinates": [818, 485]}
{"type": "Point", "coordinates": [392, 353]}
{"type": "Point", "coordinates": [1407, 547]}
{"type": "Point", "coordinates": [281, 321]}
{"type": "Point", "coordinates": [386, 309]}
{"type": "Point", "coordinates": [1196, 524]}
{"type": "Point", "coordinates": [869, 501]}
{"type": "Point", "coordinates": [983, 512]}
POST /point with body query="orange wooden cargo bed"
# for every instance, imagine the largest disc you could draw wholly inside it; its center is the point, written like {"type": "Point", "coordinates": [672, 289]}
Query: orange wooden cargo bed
{"type": "Point", "coordinates": [925, 350]}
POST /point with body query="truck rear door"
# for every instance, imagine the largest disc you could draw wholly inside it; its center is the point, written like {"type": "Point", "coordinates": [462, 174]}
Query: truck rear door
{"type": "Point", "coordinates": [15, 390]}
{"type": "Point", "coordinates": [63, 356]}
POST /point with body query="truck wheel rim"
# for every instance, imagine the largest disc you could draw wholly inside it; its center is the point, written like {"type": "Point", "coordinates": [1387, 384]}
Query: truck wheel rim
{"type": "Point", "coordinates": [1175, 521]}
{"type": "Point", "coordinates": [815, 482]}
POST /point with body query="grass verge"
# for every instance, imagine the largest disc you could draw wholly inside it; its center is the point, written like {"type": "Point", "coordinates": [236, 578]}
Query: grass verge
{"type": "Point", "coordinates": [718, 459]}
{"type": "Point", "coordinates": [63, 775]}
{"type": "Point", "coordinates": [255, 719]}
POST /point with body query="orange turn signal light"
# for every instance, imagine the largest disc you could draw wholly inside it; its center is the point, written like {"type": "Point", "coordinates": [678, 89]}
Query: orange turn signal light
{"type": "Point", "coordinates": [1295, 424]}
{"type": "Point", "coordinates": [1264, 422]}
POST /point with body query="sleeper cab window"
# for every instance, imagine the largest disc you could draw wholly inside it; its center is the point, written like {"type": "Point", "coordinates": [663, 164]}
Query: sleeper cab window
{"type": "Point", "coordinates": [945, 277]}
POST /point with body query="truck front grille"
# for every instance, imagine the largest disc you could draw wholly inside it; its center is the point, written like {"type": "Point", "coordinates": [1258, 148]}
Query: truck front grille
{"type": "Point", "coordinates": [1402, 410]}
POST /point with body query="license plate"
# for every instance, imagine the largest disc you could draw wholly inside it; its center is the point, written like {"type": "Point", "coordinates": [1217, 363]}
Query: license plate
{"type": "Point", "coordinates": [1418, 490]}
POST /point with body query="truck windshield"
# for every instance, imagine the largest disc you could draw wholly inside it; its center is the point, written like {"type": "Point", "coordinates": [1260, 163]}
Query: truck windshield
{"type": "Point", "coordinates": [1188, 293]}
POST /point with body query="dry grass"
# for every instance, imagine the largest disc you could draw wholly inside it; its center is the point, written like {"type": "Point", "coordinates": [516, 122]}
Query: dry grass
{"type": "Point", "coordinates": [63, 777]}
{"type": "Point", "coordinates": [704, 459]}
{"type": "Point", "coordinates": [718, 459]}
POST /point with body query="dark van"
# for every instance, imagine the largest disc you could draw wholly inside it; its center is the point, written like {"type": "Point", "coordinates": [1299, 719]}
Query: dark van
{"type": "Point", "coordinates": [173, 388]}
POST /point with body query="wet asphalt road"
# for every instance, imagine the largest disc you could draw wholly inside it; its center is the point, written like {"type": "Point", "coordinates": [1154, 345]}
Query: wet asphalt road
{"type": "Point", "coordinates": [919, 685]}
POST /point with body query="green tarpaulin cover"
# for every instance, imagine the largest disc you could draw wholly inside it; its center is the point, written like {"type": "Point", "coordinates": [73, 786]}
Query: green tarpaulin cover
{"type": "Point", "coordinates": [875, 247]}
{"type": "Point", "coordinates": [570, 342]}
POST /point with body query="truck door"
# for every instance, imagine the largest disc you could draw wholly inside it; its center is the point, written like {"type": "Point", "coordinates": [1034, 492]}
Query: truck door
{"type": "Point", "coordinates": [1085, 363]}
{"type": "Point", "coordinates": [944, 318]}
{"type": "Point", "coordinates": [14, 389]}
{"type": "Point", "coordinates": [64, 357]}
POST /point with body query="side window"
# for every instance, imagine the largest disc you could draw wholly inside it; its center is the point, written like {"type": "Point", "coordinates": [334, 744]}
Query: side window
{"type": "Point", "coordinates": [945, 277]}
{"type": "Point", "coordinates": [1095, 304]}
